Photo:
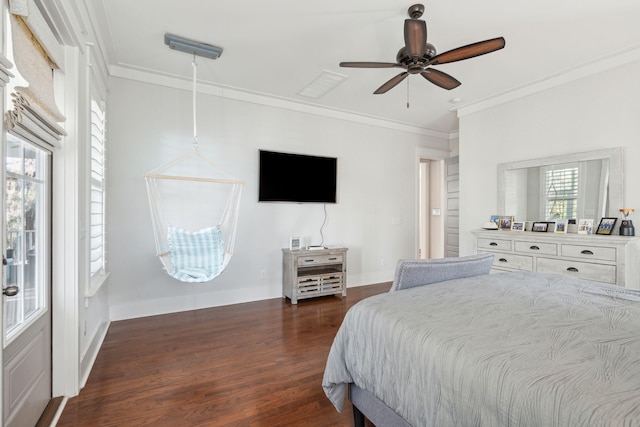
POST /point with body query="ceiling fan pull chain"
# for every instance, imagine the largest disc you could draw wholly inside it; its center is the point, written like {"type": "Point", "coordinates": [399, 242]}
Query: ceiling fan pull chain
{"type": "Point", "coordinates": [195, 126]}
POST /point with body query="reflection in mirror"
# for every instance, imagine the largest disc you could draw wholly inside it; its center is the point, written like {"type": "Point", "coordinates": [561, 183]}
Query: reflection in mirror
{"type": "Point", "coordinates": [575, 186]}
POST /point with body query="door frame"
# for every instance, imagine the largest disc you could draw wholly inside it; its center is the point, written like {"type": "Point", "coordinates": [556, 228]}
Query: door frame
{"type": "Point", "coordinates": [67, 221]}
{"type": "Point", "coordinates": [423, 153]}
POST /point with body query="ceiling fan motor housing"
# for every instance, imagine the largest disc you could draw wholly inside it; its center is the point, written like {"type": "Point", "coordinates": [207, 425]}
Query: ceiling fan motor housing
{"type": "Point", "coordinates": [404, 58]}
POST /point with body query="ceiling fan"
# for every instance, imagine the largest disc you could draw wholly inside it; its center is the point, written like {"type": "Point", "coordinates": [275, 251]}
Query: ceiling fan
{"type": "Point", "coordinates": [417, 56]}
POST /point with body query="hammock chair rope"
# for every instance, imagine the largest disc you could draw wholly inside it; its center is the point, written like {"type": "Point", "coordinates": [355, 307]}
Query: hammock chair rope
{"type": "Point", "coordinates": [194, 256]}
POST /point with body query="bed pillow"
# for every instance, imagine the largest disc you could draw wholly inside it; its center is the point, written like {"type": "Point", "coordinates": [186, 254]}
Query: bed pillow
{"type": "Point", "coordinates": [419, 272]}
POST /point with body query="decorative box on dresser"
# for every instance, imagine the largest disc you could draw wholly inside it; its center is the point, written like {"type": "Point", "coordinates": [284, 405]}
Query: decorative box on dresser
{"type": "Point", "coordinates": [610, 259]}
{"type": "Point", "coordinates": [313, 273]}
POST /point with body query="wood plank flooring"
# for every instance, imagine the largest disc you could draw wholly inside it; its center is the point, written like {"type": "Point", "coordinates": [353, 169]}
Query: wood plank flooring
{"type": "Point", "coordinates": [252, 364]}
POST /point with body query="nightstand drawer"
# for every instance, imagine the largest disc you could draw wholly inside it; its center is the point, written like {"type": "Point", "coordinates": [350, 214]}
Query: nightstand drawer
{"type": "Point", "coordinates": [589, 252]}
{"type": "Point", "coordinates": [582, 270]}
{"type": "Point", "coordinates": [498, 244]}
{"type": "Point", "coordinates": [536, 248]}
{"type": "Point", "coordinates": [319, 260]}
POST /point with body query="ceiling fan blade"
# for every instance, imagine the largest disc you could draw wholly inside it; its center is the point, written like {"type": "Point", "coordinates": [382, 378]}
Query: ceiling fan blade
{"type": "Point", "coordinates": [441, 79]}
{"type": "Point", "coordinates": [391, 83]}
{"type": "Point", "coordinates": [468, 51]}
{"type": "Point", "coordinates": [370, 64]}
{"type": "Point", "coordinates": [415, 37]}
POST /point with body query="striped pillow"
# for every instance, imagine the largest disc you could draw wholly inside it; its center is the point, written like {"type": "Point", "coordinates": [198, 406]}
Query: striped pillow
{"type": "Point", "coordinates": [196, 256]}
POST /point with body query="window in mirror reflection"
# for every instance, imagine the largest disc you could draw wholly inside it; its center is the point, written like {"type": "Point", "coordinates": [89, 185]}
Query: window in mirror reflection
{"type": "Point", "coordinates": [561, 184]}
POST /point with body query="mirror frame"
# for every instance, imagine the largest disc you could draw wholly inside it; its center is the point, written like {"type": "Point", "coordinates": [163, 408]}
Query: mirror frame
{"type": "Point", "coordinates": [614, 155]}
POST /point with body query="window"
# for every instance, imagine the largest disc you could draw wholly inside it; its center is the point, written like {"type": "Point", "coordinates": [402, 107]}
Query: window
{"type": "Point", "coordinates": [97, 227]}
{"type": "Point", "coordinates": [27, 215]}
{"type": "Point", "coordinates": [561, 192]}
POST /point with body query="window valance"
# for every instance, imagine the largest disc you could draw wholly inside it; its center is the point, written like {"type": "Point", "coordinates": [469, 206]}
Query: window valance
{"type": "Point", "coordinates": [36, 54]}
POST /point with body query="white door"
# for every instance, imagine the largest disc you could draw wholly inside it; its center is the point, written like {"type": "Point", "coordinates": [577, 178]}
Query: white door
{"type": "Point", "coordinates": [27, 257]}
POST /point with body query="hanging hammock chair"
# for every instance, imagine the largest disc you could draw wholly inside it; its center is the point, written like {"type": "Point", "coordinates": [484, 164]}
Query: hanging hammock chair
{"type": "Point", "coordinates": [186, 196]}
{"type": "Point", "coordinates": [181, 206]}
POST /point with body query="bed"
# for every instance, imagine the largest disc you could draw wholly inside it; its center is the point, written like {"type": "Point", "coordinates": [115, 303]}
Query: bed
{"type": "Point", "coordinates": [518, 348]}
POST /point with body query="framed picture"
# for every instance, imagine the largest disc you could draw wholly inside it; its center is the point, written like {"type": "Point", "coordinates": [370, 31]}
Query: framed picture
{"type": "Point", "coordinates": [606, 225]}
{"type": "Point", "coordinates": [517, 226]}
{"type": "Point", "coordinates": [540, 227]}
{"type": "Point", "coordinates": [561, 225]}
{"type": "Point", "coordinates": [505, 222]}
{"type": "Point", "coordinates": [295, 243]}
{"type": "Point", "coordinates": [495, 218]}
{"type": "Point", "coordinates": [585, 226]}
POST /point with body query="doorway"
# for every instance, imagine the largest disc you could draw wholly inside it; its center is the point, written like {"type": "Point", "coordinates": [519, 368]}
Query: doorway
{"type": "Point", "coordinates": [431, 231]}
{"type": "Point", "coordinates": [26, 356]}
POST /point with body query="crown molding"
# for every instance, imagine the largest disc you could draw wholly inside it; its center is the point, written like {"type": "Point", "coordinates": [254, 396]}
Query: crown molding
{"type": "Point", "coordinates": [177, 82]}
{"type": "Point", "coordinates": [606, 63]}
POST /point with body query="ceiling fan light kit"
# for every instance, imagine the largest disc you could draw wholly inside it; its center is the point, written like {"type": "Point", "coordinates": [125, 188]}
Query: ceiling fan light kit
{"type": "Point", "coordinates": [417, 56]}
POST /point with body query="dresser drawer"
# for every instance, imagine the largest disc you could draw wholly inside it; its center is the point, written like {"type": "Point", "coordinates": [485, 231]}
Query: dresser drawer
{"type": "Point", "coordinates": [307, 261]}
{"type": "Point", "coordinates": [512, 262]}
{"type": "Point", "coordinates": [582, 270]}
{"type": "Point", "coordinates": [499, 244]}
{"type": "Point", "coordinates": [589, 252]}
{"type": "Point", "coordinates": [536, 248]}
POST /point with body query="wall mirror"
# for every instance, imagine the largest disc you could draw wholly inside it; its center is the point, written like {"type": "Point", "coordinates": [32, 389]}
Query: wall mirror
{"type": "Point", "coordinates": [573, 186]}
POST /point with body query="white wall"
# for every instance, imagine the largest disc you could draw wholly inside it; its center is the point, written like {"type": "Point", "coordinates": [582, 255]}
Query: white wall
{"type": "Point", "coordinates": [375, 216]}
{"type": "Point", "coordinates": [596, 112]}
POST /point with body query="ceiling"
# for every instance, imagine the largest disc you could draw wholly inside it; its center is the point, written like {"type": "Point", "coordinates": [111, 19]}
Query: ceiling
{"type": "Point", "coordinates": [275, 48]}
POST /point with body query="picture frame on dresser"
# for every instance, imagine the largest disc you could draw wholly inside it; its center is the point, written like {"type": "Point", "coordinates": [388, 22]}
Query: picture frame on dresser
{"type": "Point", "coordinates": [606, 226]}
{"type": "Point", "coordinates": [540, 227]}
{"type": "Point", "coordinates": [505, 222]}
{"type": "Point", "coordinates": [585, 226]}
{"type": "Point", "coordinates": [517, 226]}
{"type": "Point", "coordinates": [561, 225]}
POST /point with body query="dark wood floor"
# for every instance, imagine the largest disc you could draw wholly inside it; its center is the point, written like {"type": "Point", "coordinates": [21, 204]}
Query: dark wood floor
{"type": "Point", "coordinates": [253, 364]}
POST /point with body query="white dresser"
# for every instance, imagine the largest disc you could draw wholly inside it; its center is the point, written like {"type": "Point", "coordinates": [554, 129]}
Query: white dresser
{"type": "Point", "coordinates": [609, 259]}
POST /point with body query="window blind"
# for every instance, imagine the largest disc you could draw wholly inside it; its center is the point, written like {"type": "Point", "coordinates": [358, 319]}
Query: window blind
{"type": "Point", "coordinates": [97, 227]}
{"type": "Point", "coordinates": [561, 193]}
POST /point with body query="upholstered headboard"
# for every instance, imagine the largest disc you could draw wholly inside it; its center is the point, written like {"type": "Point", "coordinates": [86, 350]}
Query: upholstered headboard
{"type": "Point", "coordinates": [418, 272]}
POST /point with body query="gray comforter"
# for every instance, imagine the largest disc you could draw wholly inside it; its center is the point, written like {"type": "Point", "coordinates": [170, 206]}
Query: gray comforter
{"type": "Point", "coordinates": [513, 349]}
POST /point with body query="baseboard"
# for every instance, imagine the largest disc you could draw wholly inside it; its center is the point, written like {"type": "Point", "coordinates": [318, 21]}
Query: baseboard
{"type": "Point", "coordinates": [179, 303]}
{"type": "Point", "coordinates": [92, 352]}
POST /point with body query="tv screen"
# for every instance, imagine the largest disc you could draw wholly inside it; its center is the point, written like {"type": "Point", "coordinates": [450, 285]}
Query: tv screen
{"type": "Point", "coordinates": [287, 177]}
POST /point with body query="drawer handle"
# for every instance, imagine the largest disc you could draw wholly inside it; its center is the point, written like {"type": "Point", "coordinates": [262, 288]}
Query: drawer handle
{"type": "Point", "coordinates": [493, 244]}
{"type": "Point", "coordinates": [502, 260]}
{"type": "Point", "coordinates": [309, 260]}
{"type": "Point", "coordinates": [586, 252]}
{"type": "Point", "coordinates": [333, 259]}
{"type": "Point", "coordinates": [534, 248]}
{"type": "Point", "coordinates": [572, 269]}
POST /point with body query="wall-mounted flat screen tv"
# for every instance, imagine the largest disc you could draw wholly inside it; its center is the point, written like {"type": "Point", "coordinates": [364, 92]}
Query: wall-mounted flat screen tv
{"type": "Point", "coordinates": [297, 178]}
